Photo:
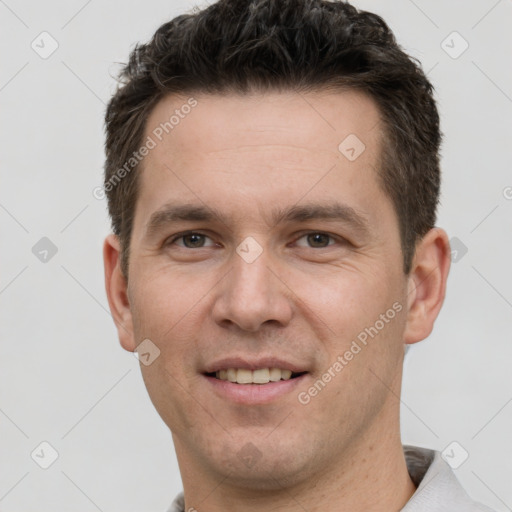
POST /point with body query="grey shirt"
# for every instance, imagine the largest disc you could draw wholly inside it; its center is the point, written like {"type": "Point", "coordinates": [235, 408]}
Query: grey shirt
{"type": "Point", "coordinates": [438, 489]}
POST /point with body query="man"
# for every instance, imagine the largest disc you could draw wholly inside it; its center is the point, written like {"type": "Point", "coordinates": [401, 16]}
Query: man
{"type": "Point", "coordinates": [272, 175]}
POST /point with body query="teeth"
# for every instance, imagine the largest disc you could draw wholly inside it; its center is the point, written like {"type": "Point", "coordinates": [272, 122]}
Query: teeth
{"type": "Point", "coordinates": [244, 376]}
{"type": "Point", "coordinates": [286, 374]}
{"type": "Point", "coordinates": [275, 374]}
{"type": "Point", "coordinates": [260, 376]}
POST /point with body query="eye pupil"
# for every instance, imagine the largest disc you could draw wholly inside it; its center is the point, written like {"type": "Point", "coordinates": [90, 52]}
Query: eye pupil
{"type": "Point", "coordinates": [316, 238]}
{"type": "Point", "coordinates": [195, 236]}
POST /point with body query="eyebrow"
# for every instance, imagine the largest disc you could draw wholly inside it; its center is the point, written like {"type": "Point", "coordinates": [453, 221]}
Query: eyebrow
{"type": "Point", "coordinates": [172, 212]}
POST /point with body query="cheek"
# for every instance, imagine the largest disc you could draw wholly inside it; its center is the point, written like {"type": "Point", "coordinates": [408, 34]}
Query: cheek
{"type": "Point", "coordinates": [166, 310]}
{"type": "Point", "coordinates": [160, 297]}
{"type": "Point", "coordinates": [364, 315]}
{"type": "Point", "coordinates": [349, 299]}
{"type": "Point", "coordinates": [167, 314]}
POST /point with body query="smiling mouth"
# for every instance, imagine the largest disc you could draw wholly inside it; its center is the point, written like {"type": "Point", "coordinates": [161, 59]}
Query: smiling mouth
{"type": "Point", "coordinates": [259, 376]}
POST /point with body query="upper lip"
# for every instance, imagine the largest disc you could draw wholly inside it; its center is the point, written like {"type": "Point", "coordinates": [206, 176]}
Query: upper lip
{"type": "Point", "coordinates": [253, 364]}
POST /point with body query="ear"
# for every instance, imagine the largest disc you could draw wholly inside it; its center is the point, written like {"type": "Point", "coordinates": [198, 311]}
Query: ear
{"type": "Point", "coordinates": [116, 287]}
{"type": "Point", "coordinates": [427, 284]}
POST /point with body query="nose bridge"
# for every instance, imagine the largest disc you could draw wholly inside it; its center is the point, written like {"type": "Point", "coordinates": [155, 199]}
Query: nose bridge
{"type": "Point", "coordinates": [251, 276]}
{"type": "Point", "coordinates": [251, 294]}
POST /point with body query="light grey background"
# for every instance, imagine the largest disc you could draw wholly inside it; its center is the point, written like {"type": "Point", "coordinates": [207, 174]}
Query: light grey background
{"type": "Point", "coordinates": [65, 379]}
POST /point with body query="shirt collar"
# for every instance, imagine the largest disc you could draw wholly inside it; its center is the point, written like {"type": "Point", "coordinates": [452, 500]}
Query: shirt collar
{"type": "Point", "coordinates": [437, 486]}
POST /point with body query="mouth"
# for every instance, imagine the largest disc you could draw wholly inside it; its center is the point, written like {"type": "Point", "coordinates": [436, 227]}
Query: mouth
{"type": "Point", "coordinates": [260, 376]}
{"type": "Point", "coordinates": [256, 382]}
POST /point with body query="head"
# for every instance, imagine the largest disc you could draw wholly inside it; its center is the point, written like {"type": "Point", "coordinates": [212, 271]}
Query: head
{"type": "Point", "coordinates": [298, 145]}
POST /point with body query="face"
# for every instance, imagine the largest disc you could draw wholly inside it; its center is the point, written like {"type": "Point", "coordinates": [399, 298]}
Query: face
{"type": "Point", "coordinates": [262, 248]}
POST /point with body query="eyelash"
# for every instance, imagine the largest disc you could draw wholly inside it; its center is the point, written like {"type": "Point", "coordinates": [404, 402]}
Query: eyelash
{"type": "Point", "coordinates": [187, 233]}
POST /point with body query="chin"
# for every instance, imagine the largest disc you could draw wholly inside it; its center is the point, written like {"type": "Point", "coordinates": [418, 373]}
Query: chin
{"type": "Point", "coordinates": [260, 463]}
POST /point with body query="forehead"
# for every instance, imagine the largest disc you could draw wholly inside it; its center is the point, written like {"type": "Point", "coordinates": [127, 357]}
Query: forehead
{"type": "Point", "coordinates": [317, 121]}
{"type": "Point", "coordinates": [273, 147]}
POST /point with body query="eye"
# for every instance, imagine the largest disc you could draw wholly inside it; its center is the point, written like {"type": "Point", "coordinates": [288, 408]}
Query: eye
{"type": "Point", "coordinates": [195, 240]}
{"type": "Point", "coordinates": [191, 240]}
{"type": "Point", "coordinates": [317, 240]}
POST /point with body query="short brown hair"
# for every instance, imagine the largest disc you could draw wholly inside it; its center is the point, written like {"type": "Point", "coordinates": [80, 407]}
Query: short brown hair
{"type": "Point", "coordinates": [238, 46]}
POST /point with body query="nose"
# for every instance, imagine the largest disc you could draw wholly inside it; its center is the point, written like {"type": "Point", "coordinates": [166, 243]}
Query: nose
{"type": "Point", "coordinates": [253, 294]}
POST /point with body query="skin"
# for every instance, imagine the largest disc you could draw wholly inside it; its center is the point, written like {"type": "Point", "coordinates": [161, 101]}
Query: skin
{"type": "Point", "coordinates": [303, 299]}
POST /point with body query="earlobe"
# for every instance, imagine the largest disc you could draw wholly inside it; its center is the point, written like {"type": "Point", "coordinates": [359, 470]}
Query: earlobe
{"type": "Point", "coordinates": [427, 284]}
{"type": "Point", "coordinates": [117, 292]}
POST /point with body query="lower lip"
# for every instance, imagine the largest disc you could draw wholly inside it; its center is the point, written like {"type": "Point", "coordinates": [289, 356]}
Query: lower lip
{"type": "Point", "coordinates": [253, 394]}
